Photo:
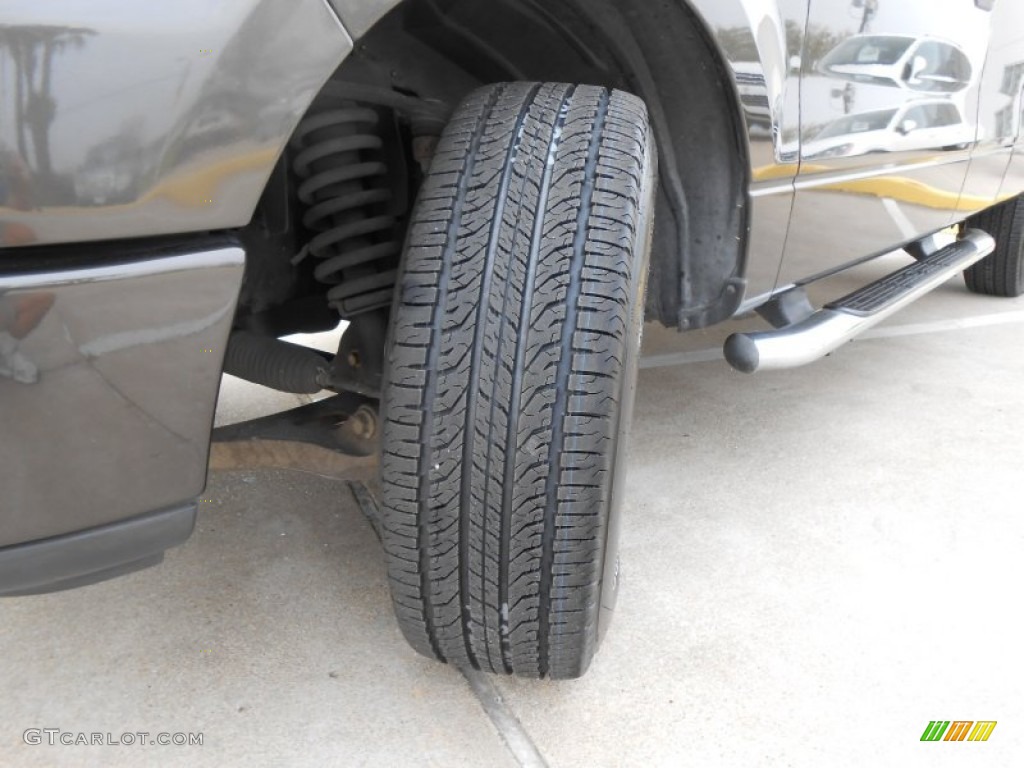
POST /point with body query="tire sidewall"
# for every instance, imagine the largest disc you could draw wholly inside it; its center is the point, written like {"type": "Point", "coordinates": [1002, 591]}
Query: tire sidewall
{"type": "Point", "coordinates": [611, 572]}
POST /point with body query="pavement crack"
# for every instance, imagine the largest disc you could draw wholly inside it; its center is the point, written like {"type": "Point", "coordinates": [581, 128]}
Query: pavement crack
{"type": "Point", "coordinates": [367, 504]}
{"type": "Point", "coordinates": [512, 732]}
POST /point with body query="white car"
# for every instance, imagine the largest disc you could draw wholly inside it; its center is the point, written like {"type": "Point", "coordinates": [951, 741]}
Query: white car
{"type": "Point", "coordinates": [924, 64]}
{"type": "Point", "coordinates": [916, 125]}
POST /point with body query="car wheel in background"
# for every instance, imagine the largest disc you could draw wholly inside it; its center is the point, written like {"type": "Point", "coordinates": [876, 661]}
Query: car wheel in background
{"type": "Point", "coordinates": [1002, 272]}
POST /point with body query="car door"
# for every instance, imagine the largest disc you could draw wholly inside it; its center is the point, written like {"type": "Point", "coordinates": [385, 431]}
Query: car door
{"type": "Point", "coordinates": [868, 56]}
{"type": "Point", "coordinates": [999, 110]}
{"type": "Point", "coordinates": [1013, 181]}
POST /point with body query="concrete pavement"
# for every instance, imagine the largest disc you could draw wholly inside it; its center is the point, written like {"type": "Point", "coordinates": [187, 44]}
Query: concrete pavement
{"type": "Point", "coordinates": [817, 563]}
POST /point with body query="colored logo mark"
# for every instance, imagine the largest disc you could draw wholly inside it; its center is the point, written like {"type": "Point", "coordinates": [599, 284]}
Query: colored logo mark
{"type": "Point", "coordinates": [958, 730]}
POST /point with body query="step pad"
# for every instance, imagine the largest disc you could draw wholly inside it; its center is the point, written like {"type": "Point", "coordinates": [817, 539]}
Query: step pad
{"type": "Point", "coordinates": [875, 297]}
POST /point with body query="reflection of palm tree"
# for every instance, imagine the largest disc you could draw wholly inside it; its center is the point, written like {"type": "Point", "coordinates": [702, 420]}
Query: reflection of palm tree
{"type": "Point", "coordinates": [32, 49]}
{"type": "Point", "coordinates": [870, 11]}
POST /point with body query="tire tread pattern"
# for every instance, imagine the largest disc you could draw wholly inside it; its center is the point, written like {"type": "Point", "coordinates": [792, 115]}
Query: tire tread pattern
{"type": "Point", "coordinates": [1001, 273]}
{"type": "Point", "coordinates": [505, 372]}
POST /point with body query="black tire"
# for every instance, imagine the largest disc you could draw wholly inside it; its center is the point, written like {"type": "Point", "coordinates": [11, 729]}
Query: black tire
{"type": "Point", "coordinates": [511, 368]}
{"type": "Point", "coordinates": [1002, 272]}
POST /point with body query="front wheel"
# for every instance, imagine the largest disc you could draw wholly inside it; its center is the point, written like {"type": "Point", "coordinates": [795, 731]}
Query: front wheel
{"type": "Point", "coordinates": [512, 364]}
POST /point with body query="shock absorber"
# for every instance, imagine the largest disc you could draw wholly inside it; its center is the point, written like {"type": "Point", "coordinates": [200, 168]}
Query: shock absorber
{"type": "Point", "coordinates": [340, 160]}
{"type": "Point", "coordinates": [351, 155]}
{"type": "Point", "coordinates": [352, 166]}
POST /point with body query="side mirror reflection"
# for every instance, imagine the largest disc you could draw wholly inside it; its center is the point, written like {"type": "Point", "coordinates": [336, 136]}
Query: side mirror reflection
{"type": "Point", "coordinates": [918, 65]}
{"type": "Point", "coordinates": [907, 126]}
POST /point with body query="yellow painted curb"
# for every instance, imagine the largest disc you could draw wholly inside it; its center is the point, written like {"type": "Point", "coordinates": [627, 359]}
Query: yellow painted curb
{"type": "Point", "coordinates": [899, 188]}
{"type": "Point", "coordinates": [199, 186]}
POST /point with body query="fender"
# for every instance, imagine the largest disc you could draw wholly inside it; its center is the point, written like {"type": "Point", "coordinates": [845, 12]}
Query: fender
{"type": "Point", "coordinates": [759, 42]}
{"type": "Point", "coordinates": [110, 131]}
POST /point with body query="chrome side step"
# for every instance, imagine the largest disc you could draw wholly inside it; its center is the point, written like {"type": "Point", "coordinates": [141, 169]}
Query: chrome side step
{"type": "Point", "coordinates": [839, 321]}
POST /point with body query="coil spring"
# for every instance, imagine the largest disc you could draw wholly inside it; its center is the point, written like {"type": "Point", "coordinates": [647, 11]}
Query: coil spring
{"type": "Point", "coordinates": [340, 161]}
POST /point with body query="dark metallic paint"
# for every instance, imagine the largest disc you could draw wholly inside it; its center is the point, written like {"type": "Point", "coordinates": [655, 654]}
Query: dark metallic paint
{"type": "Point", "coordinates": [129, 357]}
{"type": "Point", "coordinates": [134, 119]}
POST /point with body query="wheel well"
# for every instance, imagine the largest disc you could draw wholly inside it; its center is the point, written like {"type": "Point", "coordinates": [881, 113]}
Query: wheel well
{"type": "Point", "coordinates": [655, 50]}
{"type": "Point", "coordinates": [442, 49]}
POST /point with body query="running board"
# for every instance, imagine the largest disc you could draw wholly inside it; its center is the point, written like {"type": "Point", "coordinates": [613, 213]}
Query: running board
{"type": "Point", "coordinates": [842, 320]}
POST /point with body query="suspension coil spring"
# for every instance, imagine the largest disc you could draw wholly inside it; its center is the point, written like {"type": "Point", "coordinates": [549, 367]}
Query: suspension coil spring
{"type": "Point", "coordinates": [340, 161]}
